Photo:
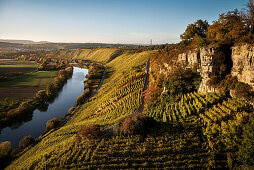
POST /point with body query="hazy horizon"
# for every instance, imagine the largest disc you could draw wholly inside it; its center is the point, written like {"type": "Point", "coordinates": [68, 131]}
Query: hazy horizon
{"type": "Point", "coordinates": [97, 21]}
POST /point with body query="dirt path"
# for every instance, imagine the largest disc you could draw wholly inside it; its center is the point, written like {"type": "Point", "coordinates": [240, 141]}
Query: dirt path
{"type": "Point", "coordinates": [109, 131]}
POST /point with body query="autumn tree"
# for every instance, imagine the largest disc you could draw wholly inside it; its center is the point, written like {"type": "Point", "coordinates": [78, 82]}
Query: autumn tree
{"type": "Point", "coordinates": [228, 28]}
{"type": "Point", "coordinates": [198, 28]}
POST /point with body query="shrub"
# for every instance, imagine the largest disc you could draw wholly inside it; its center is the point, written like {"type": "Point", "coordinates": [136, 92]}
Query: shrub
{"type": "Point", "coordinates": [52, 123]}
{"type": "Point", "coordinates": [61, 72]}
{"type": "Point", "coordinates": [71, 109]}
{"type": "Point", "coordinates": [26, 141]}
{"type": "Point", "coordinates": [89, 132]}
{"type": "Point", "coordinates": [58, 82]}
{"type": "Point", "coordinates": [5, 151]}
{"type": "Point", "coordinates": [50, 90]}
{"type": "Point", "coordinates": [180, 82]}
{"type": "Point", "coordinates": [134, 125]}
{"type": "Point", "coordinates": [25, 107]}
{"type": "Point", "coordinates": [41, 95]}
{"type": "Point", "coordinates": [69, 71]}
{"type": "Point", "coordinates": [13, 113]}
{"type": "Point", "coordinates": [82, 98]}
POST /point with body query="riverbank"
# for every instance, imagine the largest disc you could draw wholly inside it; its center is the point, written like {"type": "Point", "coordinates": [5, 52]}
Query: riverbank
{"type": "Point", "coordinates": [15, 114]}
{"type": "Point", "coordinates": [93, 71]}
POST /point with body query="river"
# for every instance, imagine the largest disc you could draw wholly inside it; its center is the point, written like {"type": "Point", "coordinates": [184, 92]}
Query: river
{"type": "Point", "coordinates": [59, 107]}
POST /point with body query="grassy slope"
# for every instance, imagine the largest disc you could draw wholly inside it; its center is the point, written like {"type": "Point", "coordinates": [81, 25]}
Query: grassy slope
{"type": "Point", "coordinates": [96, 54]}
{"type": "Point", "coordinates": [99, 55]}
{"type": "Point", "coordinates": [54, 149]}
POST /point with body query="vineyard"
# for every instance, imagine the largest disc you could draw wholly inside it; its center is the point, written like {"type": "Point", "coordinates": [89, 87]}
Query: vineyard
{"type": "Point", "coordinates": [98, 55]}
{"type": "Point", "coordinates": [199, 131]}
{"type": "Point", "coordinates": [157, 151]}
{"type": "Point", "coordinates": [119, 96]}
{"type": "Point", "coordinates": [222, 120]}
{"type": "Point", "coordinates": [190, 104]}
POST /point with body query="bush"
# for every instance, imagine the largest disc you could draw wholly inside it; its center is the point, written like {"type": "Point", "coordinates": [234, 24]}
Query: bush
{"type": "Point", "coordinates": [52, 123]}
{"type": "Point", "coordinates": [50, 90]}
{"type": "Point", "coordinates": [13, 113]}
{"type": "Point", "coordinates": [58, 82]}
{"type": "Point", "coordinates": [5, 151]}
{"type": "Point", "coordinates": [180, 82]}
{"type": "Point", "coordinates": [81, 99]}
{"type": "Point", "coordinates": [89, 132]}
{"type": "Point", "coordinates": [61, 72]}
{"type": "Point", "coordinates": [41, 96]}
{"type": "Point", "coordinates": [71, 109]}
{"type": "Point", "coordinates": [134, 125]}
{"type": "Point", "coordinates": [25, 107]}
{"type": "Point", "coordinates": [26, 141]}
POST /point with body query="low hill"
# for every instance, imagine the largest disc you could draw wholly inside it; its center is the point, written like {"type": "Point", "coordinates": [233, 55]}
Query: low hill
{"type": "Point", "coordinates": [27, 44]}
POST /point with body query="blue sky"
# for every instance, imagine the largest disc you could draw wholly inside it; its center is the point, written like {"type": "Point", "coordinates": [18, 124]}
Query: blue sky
{"type": "Point", "coordinates": [108, 21]}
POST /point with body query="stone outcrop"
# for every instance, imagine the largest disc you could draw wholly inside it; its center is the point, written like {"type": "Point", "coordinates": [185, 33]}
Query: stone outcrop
{"type": "Point", "coordinates": [243, 63]}
{"type": "Point", "coordinates": [209, 60]}
{"type": "Point", "coordinates": [189, 59]}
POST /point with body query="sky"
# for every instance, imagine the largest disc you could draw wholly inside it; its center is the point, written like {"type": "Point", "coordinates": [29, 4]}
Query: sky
{"type": "Point", "coordinates": [107, 21]}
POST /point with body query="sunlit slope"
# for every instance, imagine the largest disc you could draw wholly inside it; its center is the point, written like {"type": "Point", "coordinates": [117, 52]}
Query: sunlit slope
{"type": "Point", "coordinates": [118, 97]}
{"type": "Point", "coordinates": [95, 54]}
{"type": "Point", "coordinates": [99, 54]}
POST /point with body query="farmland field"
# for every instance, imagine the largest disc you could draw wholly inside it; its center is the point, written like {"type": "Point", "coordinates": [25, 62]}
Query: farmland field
{"type": "Point", "coordinates": [25, 85]}
{"type": "Point", "coordinates": [8, 65]}
{"type": "Point", "coordinates": [34, 79]}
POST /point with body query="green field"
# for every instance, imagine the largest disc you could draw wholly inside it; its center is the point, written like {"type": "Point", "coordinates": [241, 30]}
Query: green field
{"type": "Point", "coordinates": [16, 62]}
{"type": "Point", "coordinates": [11, 61]}
{"type": "Point", "coordinates": [34, 79]}
{"type": "Point", "coordinates": [20, 65]}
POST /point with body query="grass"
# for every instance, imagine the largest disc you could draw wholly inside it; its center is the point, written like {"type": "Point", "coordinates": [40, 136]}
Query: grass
{"type": "Point", "coordinates": [17, 63]}
{"type": "Point", "coordinates": [20, 65]}
{"type": "Point", "coordinates": [34, 79]}
{"type": "Point", "coordinates": [13, 61]}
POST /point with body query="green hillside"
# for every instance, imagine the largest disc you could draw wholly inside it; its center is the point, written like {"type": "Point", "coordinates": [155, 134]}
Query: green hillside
{"type": "Point", "coordinates": [188, 130]}
{"type": "Point", "coordinates": [109, 105]}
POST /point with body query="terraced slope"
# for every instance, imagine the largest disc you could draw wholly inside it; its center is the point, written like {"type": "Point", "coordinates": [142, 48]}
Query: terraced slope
{"type": "Point", "coordinates": [198, 132]}
{"type": "Point", "coordinates": [105, 108]}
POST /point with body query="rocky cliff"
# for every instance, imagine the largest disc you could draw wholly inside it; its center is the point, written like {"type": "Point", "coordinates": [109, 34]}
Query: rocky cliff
{"type": "Point", "coordinates": [189, 59]}
{"type": "Point", "coordinates": [209, 60]}
{"type": "Point", "coordinates": [243, 63]}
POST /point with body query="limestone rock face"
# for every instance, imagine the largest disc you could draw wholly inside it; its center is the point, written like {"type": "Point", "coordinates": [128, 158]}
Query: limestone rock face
{"type": "Point", "coordinates": [208, 63]}
{"type": "Point", "coordinates": [209, 60]}
{"type": "Point", "coordinates": [189, 59]}
{"type": "Point", "coordinates": [243, 63]}
{"type": "Point", "coordinates": [204, 88]}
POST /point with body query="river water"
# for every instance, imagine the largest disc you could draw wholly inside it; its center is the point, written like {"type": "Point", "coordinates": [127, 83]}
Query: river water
{"type": "Point", "coordinates": [59, 107]}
